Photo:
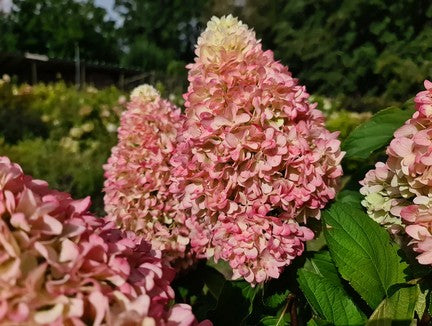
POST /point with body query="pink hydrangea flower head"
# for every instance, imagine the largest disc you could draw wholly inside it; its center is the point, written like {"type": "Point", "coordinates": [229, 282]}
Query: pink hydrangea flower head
{"type": "Point", "coordinates": [62, 266]}
{"type": "Point", "coordinates": [423, 100]}
{"type": "Point", "coordinates": [138, 174]}
{"type": "Point", "coordinates": [398, 193]}
{"type": "Point", "coordinates": [254, 158]}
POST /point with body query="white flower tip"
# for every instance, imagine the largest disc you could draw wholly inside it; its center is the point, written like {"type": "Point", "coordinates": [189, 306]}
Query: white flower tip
{"type": "Point", "coordinates": [227, 34]}
{"type": "Point", "coordinates": [145, 92]}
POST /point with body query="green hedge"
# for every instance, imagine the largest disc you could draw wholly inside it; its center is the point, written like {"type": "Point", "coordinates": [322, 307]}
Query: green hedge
{"type": "Point", "coordinates": [61, 134]}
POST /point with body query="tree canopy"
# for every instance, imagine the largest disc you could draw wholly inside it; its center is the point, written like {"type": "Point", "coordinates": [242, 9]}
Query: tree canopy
{"type": "Point", "coordinates": [54, 27]}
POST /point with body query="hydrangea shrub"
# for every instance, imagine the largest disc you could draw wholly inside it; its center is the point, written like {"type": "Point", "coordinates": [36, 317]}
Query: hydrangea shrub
{"type": "Point", "coordinates": [60, 265]}
{"type": "Point", "coordinates": [236, 178]}
{"type": "Point", "coordinates": [253, 159]}
{"type": "Point", "coordinates": [398, 192]}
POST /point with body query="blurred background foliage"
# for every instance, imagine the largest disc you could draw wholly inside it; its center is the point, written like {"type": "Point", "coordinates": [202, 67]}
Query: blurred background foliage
{"type": "Point", "coordinates": [368, 53]}
{"type": "Point", "coordinates": [54, 27]}
{"type": "Point", "coordinates": [60, 134]}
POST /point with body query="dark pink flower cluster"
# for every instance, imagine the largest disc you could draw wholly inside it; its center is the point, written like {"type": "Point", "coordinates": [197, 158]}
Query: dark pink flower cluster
{"type": "Point", "coordinates": [398, 193]}
{"type": "Point", "coordinates": [254, 158]}
{"type": "Point", "coordinates": [138, 173]}
{"type": "Point", "coordinates": [59, 265]}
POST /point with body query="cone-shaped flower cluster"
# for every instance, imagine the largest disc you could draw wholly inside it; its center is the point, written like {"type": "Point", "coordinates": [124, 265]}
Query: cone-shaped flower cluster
{"type": "Point", "coordinates": [138, 173]}
{"type": "Point", "coordinates": [59, 265]}
{"type": "Point", "coordinates": [398, 194]}
{"type": "Point", "coordinates": [254, 158]}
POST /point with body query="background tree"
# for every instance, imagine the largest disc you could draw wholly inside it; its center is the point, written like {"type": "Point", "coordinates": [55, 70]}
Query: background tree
{"type": "Point", "coordinates": [53, 27]}
{"type": "Point", "coordinates": [359, 48]}
{"type": "Point", "coordinates": [356, 47]}
{"type": "Point", "coordinates": [160, 34]}
{"type": "Point", "coordinates": [7, 39]}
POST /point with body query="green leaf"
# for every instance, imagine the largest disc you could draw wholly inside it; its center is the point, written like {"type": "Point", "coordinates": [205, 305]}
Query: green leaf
{"type": "Point", "coordinates": [363, 252]}
{"type": "Point", "coordinates": [201, 288]}
{"type": "Point", "coordinates": [214, 281]}
{"type": "Point", "coordinates": [421, 303]}
{"type": "Point", "coordinates": [323, 289]}
{"type": "Point", "coordinates": [317, 243]}
{"type": "Point", "coordinates": [276, 299]}
{"type": "Point", "coordinates": [375, 133]}
{"type": "Point", "coordinates": [248, 292]}
{"type": "Point", "coordinates": [350, 197]}
{"type": "Point", "coordinates": [317, 322]}
{"type": "Point", "coordinates": [282, 318]}
{"type": "Point", "coordinates": [235, 303]}
{"type": "Point", "coordinates": [222, 267]}
{"type": "Point", "coordinates": [279, 320]}
{"type": "Point", "coordinates": [399, 307]}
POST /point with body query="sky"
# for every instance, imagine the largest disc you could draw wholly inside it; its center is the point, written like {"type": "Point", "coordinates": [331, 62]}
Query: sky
{"type": "Point", "coordinates": [108, 5]}
{"type": "Point", "coordinates": [5, 5]}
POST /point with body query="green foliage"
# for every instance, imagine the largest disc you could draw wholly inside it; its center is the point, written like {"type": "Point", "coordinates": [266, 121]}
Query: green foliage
{"type": "Point", "coordinates": [160, 33]}
{"type": "Point", "coordinates": [7, 38]}
{"type": "Point", "coordinates": [235, 303]}
{"type": "Point", "coordinates": [345, 122]}
{"type": "Point", "coordinates": [224, 302]}
{"type": "Point", "coordinates": [277, 299]}
{"type": "Point", "coordinates": [368, 54]}
{"type": "Point", "coordinates": [375, 133]}
{"type": "Point", "coordinates": [282, 319]}
{"type": "Point", "coordinates": [75, 115]}
{"type": "Point", "coordinates": [320, 283]}
{"type": "Point", "coordinates": [60, 134]}
{"type": "Point", "coordinates": [17, 119]}
{"type": "Point", "coordinates": [350, 197]}
{"type": "Point", "coordinates": [363, 252]}
{"type": "Point", "coordinates": [79, 173]}
{"type": "Point", "coordinates": [356, 48]}
{"type": "Point", "coordinates": [398, 307]}
{"type": "Point", "coordinates": [147, 55]}
{"type": "Point", "coordinates": [54, 27]}
{"type": "Point", "coordinates": [337, 117]}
